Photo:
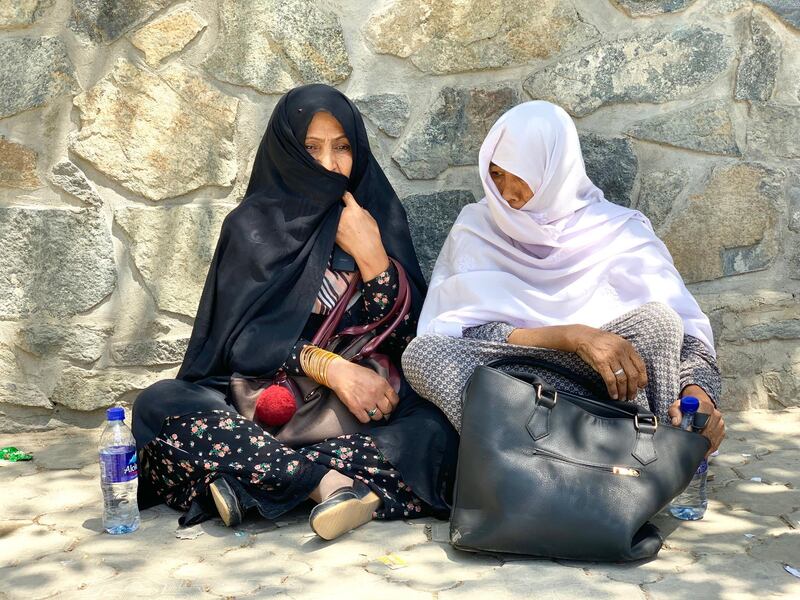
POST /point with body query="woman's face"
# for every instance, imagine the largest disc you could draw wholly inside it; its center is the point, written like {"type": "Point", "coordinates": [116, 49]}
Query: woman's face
{"type": "Point", "coordinates": [513, 189]}
{"type": "Point", "coordinates": [327, 143]}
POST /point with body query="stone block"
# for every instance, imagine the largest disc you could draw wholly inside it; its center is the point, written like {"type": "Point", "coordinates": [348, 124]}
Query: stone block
{"type": "Point", "coordinates": [794, 206]}
{"type": "Point", "coordinates": [53, 261]}
{"type": "Point", "coordinates": [67, 176]}
{"type": "Point", "coordinates": [759, 375]}
{"type": "Point", "coordinates": [168, 34]}
{"type": "Point", "coordinates": [658, 192]}
{"type": "Point", "coordinates": [465, 35]}
{"type": "Point", "coordinates": [772, 129]}
{"type": "Point", "coordinates": [758, 66]}
{"type": "Point", "coordinates": [721, 531]}
{"type": "Point", "coordinates": [28, 543]}
{"type": "Point", "coordinates": [647, 8]}
{"type": "Point", "coordinates": [33, 495]}
{"type": "Point", "coordinates": [149, 352]}
{"type": "Point", "coordinates": [256, 571]}
{"type": "Point", "coordinates": [452, 130]}
{"type": "Point", "coordinates": [611, 164]}
{"type": "Point", "coordinates": [16, 14]}
{"type": "Point", "coordinates": [651, 66]}
{"type": "Point", "coordinates": [787, 10]}
{"type": "Point", "coordinates": [759, 498]}
{"type": "Point", "coordinates": [79, 342]}
{"type": "Point", "coordinates": [15, 387]}
{"type": "Point", "coordinates": [107, 20]}
{"type": "Point", "coordinates": [85, 390]}
{"type": "Point", "coordinates": [729, 227]}
{"type": "Point", "coordinates": [452, 568]}
{"type": "Point", "coordinates": [17, 166]}
{"type": "Point", "coordinates": [430, 217]}
{"type": "Point", "coordinates": [275, 45]}
{"type": "Point", "coordinates": [780, 468]}
{"type": "Point", "coordinates": [172, 248]}
{"type": "Point", "coordinates": [55, 574]}
{"type": "Point", "coordinates": [33, 71]}
{"type": "Point", "coordinates": [705, 127]}
{"type": "Point", "coordinates": [389, 112]}
{"type": "Point", "coordinates": [159, 135]}
{"type": "Point", "coordinates": [734, 576]}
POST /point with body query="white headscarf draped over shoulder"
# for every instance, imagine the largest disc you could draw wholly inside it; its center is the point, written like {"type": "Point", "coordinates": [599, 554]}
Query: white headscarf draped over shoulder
{"type": "Point", "coordinates": [568, 256]}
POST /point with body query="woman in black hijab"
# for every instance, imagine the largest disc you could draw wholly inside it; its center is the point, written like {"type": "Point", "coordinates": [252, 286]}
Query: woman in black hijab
{"type": "Point", "coordinates": [317, 207]}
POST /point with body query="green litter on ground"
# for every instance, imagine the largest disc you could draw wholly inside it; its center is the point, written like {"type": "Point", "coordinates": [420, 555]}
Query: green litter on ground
{"type": "Point", "coordinates": [12, 454]}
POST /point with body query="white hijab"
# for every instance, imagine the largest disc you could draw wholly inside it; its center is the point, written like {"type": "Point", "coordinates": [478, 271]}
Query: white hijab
{"type": "Point", "coordinates": [567, 256]}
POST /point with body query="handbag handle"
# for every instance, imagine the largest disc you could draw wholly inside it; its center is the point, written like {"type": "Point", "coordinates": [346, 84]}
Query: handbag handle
{"type": "Point", "coordinates": [581, 380]}
{"type": "Point", "coordinates": [638, 412]}
{"type": "Point", "coordinates": [397, 313]}
{"type": "Point", "coordinates": [333, 319]}
{"type": "Point", "coordinates": [400, 310]}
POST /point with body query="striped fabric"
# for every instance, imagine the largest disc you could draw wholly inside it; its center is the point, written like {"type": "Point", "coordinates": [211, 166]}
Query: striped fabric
{"type": "Point", "coordinates": [334, 283]}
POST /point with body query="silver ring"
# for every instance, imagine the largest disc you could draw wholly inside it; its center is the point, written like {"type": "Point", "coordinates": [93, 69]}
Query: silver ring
{"type": "Point", "coordinates": [372, 412]}
{"type": "Point", "coordinates": [619, 372]}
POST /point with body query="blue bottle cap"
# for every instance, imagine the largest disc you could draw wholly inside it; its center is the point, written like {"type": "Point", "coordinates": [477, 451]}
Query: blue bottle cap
{"type": "Point", "coordinates": [115, 413]}
{"type": "Point", "coordinates": [689, 404]}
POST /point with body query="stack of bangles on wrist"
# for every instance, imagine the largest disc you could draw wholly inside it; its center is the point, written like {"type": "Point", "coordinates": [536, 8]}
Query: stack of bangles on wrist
{"type": "Point", "coordinates": [315, 362]}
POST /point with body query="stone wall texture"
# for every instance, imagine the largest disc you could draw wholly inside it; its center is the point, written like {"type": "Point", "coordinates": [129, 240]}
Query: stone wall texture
{"type": "Point", "coordinates": [128, 128]}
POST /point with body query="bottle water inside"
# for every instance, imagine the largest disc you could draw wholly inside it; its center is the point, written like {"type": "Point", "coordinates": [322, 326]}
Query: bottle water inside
{"type": "Point", "coordinates": [118, 474]}
{"type": "Point", "coordinates": [691, 504]}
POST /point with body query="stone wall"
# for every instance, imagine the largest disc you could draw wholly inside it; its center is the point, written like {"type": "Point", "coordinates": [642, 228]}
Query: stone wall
{"type": "Point", "coordinates": [127, 129]}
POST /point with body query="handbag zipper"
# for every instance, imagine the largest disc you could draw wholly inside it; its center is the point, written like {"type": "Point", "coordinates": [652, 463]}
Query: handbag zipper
{"type": "Point", "coordinates": [614, 469]}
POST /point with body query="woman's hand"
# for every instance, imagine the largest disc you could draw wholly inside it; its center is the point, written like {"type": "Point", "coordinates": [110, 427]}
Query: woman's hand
{"type": "Point", "coordinates": [715, 427]}
{"type": "Point", "coordinates": [614, 358]}
{"type": "Point", "coordinates": [362, 390]}
{"type": "Point", "coordinates": [359, 236]}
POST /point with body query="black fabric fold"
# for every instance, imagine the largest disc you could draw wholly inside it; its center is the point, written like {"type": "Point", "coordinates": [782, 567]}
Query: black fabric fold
{"type": "Point", "coordinates": [274, 247]}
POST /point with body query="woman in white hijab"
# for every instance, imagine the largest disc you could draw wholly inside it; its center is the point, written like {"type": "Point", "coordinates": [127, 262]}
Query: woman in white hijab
{"type": "Point", "coordinates": [545, 266]}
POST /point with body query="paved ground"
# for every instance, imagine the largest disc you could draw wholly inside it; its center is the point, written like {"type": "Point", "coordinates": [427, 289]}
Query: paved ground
{"type": "Point", "coordinates": [52, 545]}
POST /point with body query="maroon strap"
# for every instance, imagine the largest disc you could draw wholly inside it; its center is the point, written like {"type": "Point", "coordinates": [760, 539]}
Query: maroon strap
{"type": "Point", "coordinates": [396, 314]}
{"type": "Point", "coordinates": [331, 322]}
{"type": "Point", "coordinates": [400, 310]}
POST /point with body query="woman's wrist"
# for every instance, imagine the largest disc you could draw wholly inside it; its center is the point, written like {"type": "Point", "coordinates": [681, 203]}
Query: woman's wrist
{"type": "Point", "coordinates": [372, 263]}
{"type": "Point", "coordinates": [557, 337]}
{"type": "Point", "coordinates": [699, 393]}
{"type": "Point", "coordinates": [337, 372]}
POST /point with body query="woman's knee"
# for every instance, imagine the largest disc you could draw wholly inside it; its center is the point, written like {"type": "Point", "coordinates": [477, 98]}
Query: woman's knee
{"type": "Point", "coordinates": [662, 320]}
{"type": "Point", "coordinates": [658, 330]}
{"type": "Point", "coordinates": [425, 357]}
{"type": "Point", "coordinates": [154, 394]}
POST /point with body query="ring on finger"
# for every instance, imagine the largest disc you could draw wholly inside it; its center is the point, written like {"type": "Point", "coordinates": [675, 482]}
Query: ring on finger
{"type": "Point", "coordinates": [373, 412]}
{"type": "Point", "coordinates": [619, 372]}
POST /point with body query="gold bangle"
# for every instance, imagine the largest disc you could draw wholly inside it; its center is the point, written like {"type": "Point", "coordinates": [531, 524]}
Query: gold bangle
{"type": "Point", "coordinates": [315, 362]}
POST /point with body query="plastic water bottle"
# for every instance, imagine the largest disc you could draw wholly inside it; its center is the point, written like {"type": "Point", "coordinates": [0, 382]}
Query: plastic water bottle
{"type": "Point", "coordinates": [118, 474]}
{"type": "Point", "coordinates": [690, 505]}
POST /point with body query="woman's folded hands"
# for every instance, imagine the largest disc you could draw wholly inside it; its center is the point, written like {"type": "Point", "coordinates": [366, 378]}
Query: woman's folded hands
{"type": "Point", "coordinates": [612, 356]}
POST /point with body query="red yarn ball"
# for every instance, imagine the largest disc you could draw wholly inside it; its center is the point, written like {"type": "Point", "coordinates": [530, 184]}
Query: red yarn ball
{"type": "Point", "coordinates": [275, 406]}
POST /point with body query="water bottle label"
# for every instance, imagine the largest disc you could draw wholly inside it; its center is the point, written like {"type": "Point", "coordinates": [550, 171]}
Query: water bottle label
{"type": "Point", "coordinates": [119, 467]}
{"type": "Point", "coordinates": [703, 467]}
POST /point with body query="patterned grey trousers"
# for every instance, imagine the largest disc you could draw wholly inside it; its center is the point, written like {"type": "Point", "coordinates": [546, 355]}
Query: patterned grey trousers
{"type": "Point", "coordinates": [438, 366]}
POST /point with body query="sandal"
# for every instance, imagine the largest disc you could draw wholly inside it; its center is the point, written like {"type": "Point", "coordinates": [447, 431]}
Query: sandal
{"type": "Point", "coordinates": [226, 502]}
{"type": "Point", "coordinates": [345, 509]}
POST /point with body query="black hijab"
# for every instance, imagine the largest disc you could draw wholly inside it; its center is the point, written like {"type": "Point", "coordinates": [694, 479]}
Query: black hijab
{"type": "Point", "coordinates": [274, 247]}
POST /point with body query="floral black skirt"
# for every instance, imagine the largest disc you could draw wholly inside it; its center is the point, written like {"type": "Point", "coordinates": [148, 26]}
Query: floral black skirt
{"type": "Point", "coordinates": [192, 450]}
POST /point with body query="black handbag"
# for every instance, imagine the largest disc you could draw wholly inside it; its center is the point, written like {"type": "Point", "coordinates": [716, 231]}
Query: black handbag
{"type": "Point", "coordinates": [547, 473]}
